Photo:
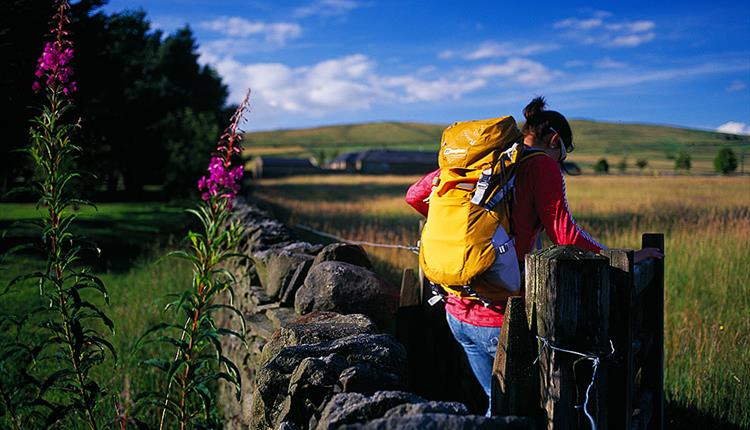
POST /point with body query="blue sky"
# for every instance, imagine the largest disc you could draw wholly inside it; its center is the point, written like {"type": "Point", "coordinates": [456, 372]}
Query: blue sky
{"type": "Point", "coordinates": [316, 62]}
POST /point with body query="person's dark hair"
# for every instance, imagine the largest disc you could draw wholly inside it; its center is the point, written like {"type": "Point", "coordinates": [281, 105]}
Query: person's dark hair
{"type": "Point", "coordinates": [540, 122]}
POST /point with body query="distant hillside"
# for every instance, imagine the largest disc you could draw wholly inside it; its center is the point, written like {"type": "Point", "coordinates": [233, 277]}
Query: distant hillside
{"type": "Point", "coordinates": [593, 140]}
{"type": "Point", "coordinates": [376, 133]}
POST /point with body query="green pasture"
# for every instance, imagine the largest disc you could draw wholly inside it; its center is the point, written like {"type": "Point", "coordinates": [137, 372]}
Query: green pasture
{"type": "Point", "coordinates": [132, 237]}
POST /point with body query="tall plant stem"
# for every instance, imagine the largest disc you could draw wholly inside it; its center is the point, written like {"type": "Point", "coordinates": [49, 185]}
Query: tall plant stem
{"type": "Point", "coordinates": [58, 270]}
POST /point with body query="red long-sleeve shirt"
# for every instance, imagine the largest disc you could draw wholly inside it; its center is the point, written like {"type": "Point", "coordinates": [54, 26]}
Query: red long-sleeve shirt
{"type": "Point", "coordinates": [539, 203]}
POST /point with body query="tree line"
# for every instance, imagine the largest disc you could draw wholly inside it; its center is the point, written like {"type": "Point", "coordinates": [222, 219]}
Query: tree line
{"type": "Point", "coordinates": [151, 111]}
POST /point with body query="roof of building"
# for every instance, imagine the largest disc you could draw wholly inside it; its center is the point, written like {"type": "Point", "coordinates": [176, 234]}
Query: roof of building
{"type": "Point", "coordinates": [285, 162]}
{"type": "Point", "coordinates": [389, 156]}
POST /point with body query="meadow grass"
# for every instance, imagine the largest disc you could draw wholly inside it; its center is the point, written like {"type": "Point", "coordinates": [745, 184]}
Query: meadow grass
{"type": "Point", "coordinates": [706, 221]}
{"type": "Point", "coordinates": [132, 237]}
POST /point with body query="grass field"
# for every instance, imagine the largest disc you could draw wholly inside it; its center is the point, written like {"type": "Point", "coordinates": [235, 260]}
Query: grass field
{"type": "Point", "coordinates": [707, 225]}
{"type": "Point", "coordinates": [131, 237]}
{"type": "Point", "coordinates": [659, 145]}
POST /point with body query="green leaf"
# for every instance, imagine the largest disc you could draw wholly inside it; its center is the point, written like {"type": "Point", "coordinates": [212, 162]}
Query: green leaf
{"type": "Point", "coordinates": [157, 328]}
{"type": "Point", "coordinates": [162, 365]}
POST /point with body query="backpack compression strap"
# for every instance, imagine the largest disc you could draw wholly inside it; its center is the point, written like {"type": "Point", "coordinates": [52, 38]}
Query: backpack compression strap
{"type": "Point", "coordinates": [508, 186]}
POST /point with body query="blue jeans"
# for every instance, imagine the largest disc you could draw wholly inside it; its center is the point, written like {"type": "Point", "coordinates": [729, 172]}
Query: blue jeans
{"type": "Point", "coordinates": [480, 344]}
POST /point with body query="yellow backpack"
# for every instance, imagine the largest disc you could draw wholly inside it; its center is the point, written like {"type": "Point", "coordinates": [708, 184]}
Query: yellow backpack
{"type": "Point", "coordinates": [469, 202]}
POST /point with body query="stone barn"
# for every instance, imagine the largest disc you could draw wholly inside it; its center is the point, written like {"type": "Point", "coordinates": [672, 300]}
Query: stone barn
{"type": "Point", "coordinates": [344, 163]}
{"type": "Point", "coordinates": [385, 161]}
{"type": "Point", "coordinates": [274, 167]}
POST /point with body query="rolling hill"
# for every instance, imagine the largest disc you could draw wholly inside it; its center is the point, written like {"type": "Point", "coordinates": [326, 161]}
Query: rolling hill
{"type": "Point", "coordinates": [657, 144]}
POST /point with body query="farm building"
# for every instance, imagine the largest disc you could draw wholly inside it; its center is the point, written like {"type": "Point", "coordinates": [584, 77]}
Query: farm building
{"type": "Point", "coordinates": [386, 161]}
{"type": "Point", "coordinates": [274, 167]}
{"type": "Point", "coordinates": [345, 162]}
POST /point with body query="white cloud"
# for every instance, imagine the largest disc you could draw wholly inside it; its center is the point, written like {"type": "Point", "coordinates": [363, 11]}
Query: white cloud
{"type": "Point", "coordinates": [579, 24]}
{"type": "Point", "coordinates": [602, 30]}
{"type": "Point", "coordinates": [326, 8]}
{"type": "Point", "coordinates": [604, 80]}
{"type": "Point", "coordinates": [277, 33]}
{"type": "Point", "coordinates": [608, 63]}
{"type": "Point", "coordinates": [337, 84]}
{"type": "Point", "coordinates": [736, 86]}
{"type": "Point", "coordinates": [521, 70]}
{"type": "Point", "coordinates": [574, 63]}
{"type": "Point", "coordinates": [490, 49]}
{"type": "Point", "coordinates": [632, 39]}
{"type": "Point", "coordinates": [733, 127]}
{"type": "Point", "coordinates": [353, 83]}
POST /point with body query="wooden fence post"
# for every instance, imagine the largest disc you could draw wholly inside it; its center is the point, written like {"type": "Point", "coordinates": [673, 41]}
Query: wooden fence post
{"type": "Point", "coordinates": [411, 289]}
{"type": "Point", "coordinates": [622, 370]}
{"type": "Point", "coordinates": [567, 293]}
{"type": "Point", "coordinates": [514, 386]}
{"type": "Point", "coordinates": [653, 366]}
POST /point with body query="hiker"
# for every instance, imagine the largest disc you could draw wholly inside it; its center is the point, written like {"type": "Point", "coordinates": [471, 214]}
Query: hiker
{"type": "Point", "coordinates": [535, 201]}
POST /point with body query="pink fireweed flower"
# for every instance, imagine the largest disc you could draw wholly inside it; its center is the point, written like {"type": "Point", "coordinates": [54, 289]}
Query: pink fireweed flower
{"type": "Point", "coordinates": [53, 66]}
{"type": "Point", "coordinates": [223, 180]}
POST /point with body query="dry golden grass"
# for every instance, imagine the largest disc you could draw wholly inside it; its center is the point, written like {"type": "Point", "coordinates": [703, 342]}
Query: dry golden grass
{"type": "Point", "coordinates": [707, 225]}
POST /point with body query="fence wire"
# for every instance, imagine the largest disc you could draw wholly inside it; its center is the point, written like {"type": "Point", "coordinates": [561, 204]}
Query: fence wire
{"type": "Point", "coordinates": [414, 249]}
{"type": "Point", "coordinates": [595, 361]}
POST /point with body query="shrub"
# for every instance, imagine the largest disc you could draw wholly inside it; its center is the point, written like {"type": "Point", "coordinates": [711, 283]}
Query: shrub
{"type": "Point", "coordinates": [683, 161]}
{"type": "Point", "coordinates": [601, 166]}
{"type": "Point", "coordinates": [641, 163]}
{"type": "Point", "coordinates": [622, 166]}
{"type": "Point", "coordinates": [725, 161]}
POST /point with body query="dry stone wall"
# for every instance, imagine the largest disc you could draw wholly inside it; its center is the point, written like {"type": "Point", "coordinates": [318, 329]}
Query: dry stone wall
{"type": "Point", "coordinates": [316, 355]}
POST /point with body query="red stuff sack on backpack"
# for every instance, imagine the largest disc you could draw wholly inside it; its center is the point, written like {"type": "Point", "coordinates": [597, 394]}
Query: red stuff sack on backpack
{"type": "Point", "coordinates": [420, 190]}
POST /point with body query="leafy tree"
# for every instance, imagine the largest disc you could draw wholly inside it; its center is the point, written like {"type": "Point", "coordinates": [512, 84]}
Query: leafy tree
{"type": "Point", "coordinates": [188, 133]}
{"type": "Point", "coordinates": [683, 161]}
{"type": "Point", "coordinates": [725, 161]}
{"type": "Point", "coordinates": [641, 163]}
{"type": "Point", "coordinates": [601, 166]}
{"type": "Point", "coordinates": [130, 80]}
{"type": "Point", "coordinates": [23, 26]}
{"type": "Point", "coordinates": [622, 166]}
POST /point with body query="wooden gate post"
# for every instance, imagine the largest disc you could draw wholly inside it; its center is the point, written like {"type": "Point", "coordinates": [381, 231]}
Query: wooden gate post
{"type": "Point", "coordinates": [653, 367]}
{"type": "Point", "coordinates": [567, 300]}
{"type": "Point", "coordinates": [514, 382]}
{"type": "Point", "coordinates": [622, 372]}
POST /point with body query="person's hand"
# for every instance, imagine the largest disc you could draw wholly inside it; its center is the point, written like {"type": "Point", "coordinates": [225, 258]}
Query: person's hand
{"type": "Point", "coordinates": [647, 253]}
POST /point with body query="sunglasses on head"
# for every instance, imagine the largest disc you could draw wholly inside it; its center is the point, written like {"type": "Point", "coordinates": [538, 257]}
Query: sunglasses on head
{"type": "Point", "coordinates": [566, 146]}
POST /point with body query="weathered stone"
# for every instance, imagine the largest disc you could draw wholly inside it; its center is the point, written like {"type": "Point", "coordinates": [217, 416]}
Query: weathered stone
{"type": "Point", "coordinates": [281, 316]}
{"type": "Point", "coordinates": [286, 425]}
{"type": "Point", "coordinates": [352, 408]}
{"type": "Point", "coordinates": [257, 295]}
{"type": "Point", "coordinates": [317, 327]}
{"type": "Point", "coordinates": [310, 386]}
{"type": "Point", "coordinates": [277, 266]}
{"type": "Point", "coordinates": [264, 233]}
{"type": "Point", "coordinates": [272, 381]}
{"type": "Point", "coordinates": [346, 288]}
{"type": "Point", "coordinates": [365, 379]}
{"type": "Point", "coordinates": [289, 290]}
{"type": "Point", "coordinates": [431, 407]}
{"type": "Point", "coordinates": [259, 325]}
{"type": "Point", "coordinates": [344, 252]}
{"type": "Point", "coordinates": [435, 421]}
